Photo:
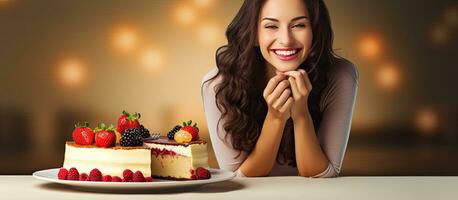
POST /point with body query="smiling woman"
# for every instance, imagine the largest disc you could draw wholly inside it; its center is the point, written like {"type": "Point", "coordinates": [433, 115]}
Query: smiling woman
{"type": "Point", "coordinates": [263, 116]}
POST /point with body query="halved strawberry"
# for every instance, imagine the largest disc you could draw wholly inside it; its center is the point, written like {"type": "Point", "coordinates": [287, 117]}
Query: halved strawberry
{"type": "Point", "coordinates": [193, 130]}
{"type": "Point", "coordinates": [82, 134]}
{"type": "Point", "coordinates": [127, 121]}
{"type": "Point", "coordinates": [105, 135]}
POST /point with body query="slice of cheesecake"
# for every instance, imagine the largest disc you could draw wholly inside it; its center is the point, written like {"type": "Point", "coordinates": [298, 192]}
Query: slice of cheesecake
{"type": "Point", "coordinates": [112, 161]}
{"type": "Point", "coordinates": [176, 161]}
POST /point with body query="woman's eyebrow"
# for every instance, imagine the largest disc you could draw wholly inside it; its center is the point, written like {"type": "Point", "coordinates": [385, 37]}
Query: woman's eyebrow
{"type": "Point", "coordinates": [276, 20]}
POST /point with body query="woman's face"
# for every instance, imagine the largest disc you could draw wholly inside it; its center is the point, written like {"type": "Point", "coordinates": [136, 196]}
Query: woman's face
{"type": "Point", "coordinates": [284, 33]}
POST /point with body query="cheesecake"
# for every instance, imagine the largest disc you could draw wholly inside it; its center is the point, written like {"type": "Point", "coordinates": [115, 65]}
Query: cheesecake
{"type": "Point", "coordinates": [176, 161]}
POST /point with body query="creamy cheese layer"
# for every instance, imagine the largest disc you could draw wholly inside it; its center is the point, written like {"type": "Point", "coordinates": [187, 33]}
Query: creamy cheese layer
{"type": "Point", "coordinates": [108, 160]}
{"type": "Point", "coordinates": [197, 152]}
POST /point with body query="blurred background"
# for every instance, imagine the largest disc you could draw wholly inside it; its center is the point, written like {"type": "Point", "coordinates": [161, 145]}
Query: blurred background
{"type": "Point", "coordinates": [68, 61]}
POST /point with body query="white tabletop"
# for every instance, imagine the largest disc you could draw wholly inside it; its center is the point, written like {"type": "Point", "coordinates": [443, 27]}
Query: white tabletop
{"type": "Point", "coordinates": [283, 188]}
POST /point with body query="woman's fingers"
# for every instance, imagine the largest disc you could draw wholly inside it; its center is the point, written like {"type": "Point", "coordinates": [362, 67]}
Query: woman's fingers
{"type": "Point", "coordinates": [277, 91]}
{"type": "Point", "coordinates": [299, 80]}
{"type": "Point", "coordinates": [287, 105]}
{"type": "Point", "coordinates": [294, 88]}
{"type": "Point", "coordinates": [282, 99]}
{"type": "Point", "coordinates": [272, 84]}
{"type": "Point", "coordinates": [307, 81]}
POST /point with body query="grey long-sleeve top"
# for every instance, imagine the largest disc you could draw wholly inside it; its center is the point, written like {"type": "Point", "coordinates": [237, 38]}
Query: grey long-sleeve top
{"type": "Point", "coordinates": [337, 105]}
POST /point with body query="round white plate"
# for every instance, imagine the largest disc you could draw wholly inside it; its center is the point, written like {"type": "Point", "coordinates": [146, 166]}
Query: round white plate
{"type": "Point", "coordinates": [218, 175]}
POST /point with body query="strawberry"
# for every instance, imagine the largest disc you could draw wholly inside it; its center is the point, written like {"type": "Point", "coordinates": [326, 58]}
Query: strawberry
{"type": "Point", "coordinates": [149, 179]}
{"type": "Point", "coordinates": [82, 134]}
{"type": "Point", "coordinates": [62, 175]}
{"type": "Point", "coordinates": [105, 136]}
{"type": "Point", "coordinates": [127, 121]}
{"type": "Point", "coordinates": [193, 130]}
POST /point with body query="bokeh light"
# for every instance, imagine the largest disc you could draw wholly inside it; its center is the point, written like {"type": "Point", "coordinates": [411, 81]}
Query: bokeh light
{"type": "Point", "coordinates": [370, 46]}
{"type": "Point", "coordinates": [185, 14]}
{"type": "Point", "coordinates": [125, 39]}
{"type": "Point", "coordinates": [439, 34]}
{"type": "Point", "coordinates": [427, 121]}
{"type": "Point", "coordinates": [209, 34]}
{"type": "Point", "coordinates": [451, 16]}
{"type": "Point", "coordinates": [203, 3]}
{"type": "Point", "coordinates": [388, 76]}
{"type": "Point", "coordinates": [151, 60]}
{"type": "Point", "coordinates": [71, 72]}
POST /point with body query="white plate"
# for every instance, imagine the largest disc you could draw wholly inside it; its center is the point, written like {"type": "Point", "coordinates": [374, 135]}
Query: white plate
{"type": "Point", "coordinates": [218, 175]}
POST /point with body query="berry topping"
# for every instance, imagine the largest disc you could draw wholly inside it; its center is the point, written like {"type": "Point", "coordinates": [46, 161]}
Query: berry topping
{"type": "Point", "coordinates": [203, 173]}
{"type": "Point", "coordinates": [106, 178]}
{"type": "Point", "coordinates": [73, 174]}
{"type": "Point", "coordinates": [131, 137]}
{"type": "Point", "coordinates": [83, 177]}
{"type": "Point", "coordinates": [127, 121]}
{"type": "Point", "coordinates": [127, 175]}
{"type": "Point", "coordinates": [116, 179]}
{"type": "Point", "coordinates": [144, 132]}
{"type": "Point", "coordinates": [62, 175]}
{"type": "Point", "coordinates": [193, 130]}
{"type": "Point", "coordinates": [172, 132]}
{"type": "Point", "coordinates": [138, 177]}
{"type": "Point", "coordinates": [95, 175]}
{"type": "Point", "coordinates": [105, 136]}
{"type": "Point", "coordinates": [182, 137]}
{"type": "Point", "coordinates": [149, 179]}
{"type": "Point", "coordinates": [82, 134]}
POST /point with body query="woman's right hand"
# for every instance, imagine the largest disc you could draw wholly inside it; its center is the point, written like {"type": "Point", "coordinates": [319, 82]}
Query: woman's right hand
{"type": "Point", "coordinates": [277, 95]}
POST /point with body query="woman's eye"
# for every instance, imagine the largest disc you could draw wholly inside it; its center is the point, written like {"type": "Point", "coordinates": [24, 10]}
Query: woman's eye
{"type": "Point", "coordinates": [299, 26]}
{"type": "Point", "coordinates": [271, 27]}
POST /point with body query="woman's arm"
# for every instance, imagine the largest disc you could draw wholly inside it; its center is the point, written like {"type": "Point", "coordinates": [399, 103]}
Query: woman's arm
{"type": "Point", "coordinates": [323, 156]}
{"type": "Point", "coordinates": [261, 160]}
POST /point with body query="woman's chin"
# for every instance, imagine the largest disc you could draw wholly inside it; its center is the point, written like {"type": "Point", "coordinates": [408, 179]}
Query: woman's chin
{"type": "Point", "coordinates": [286, 68]}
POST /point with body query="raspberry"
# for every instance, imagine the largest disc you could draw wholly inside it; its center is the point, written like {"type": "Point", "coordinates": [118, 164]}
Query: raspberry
{"type": "Point", "coordinates": [83, 177]}
{"type": "Point", "coordinates": [149, 179]}
{"type": "Point", "coordinates": [138, 177]}
{"type": "Point", "coordinates": [106, 178]}
{"type": "Point", "coordinates": [128, 175]}
{"type": "Point", "coordinates": [203, 173]}
{"type": "Point", "coordinates": [95, 175]}
{"type": "Point", "coordinates": [116, 179]}
{"type": "Point", "coordinates": [62, 175]}
{"type": "Point", "coordinates": [73, 174]}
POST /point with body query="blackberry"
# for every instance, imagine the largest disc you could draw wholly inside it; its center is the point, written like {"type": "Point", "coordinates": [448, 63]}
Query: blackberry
{"type": "Point", "coordinates": [131, 137]}
{"type": "Point", "coordinates": [172, 132]}
{"type": "Point", "coordinates": [144, 132]}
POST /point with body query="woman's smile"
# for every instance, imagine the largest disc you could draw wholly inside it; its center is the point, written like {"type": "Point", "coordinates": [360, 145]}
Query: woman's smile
{"type": "Point", "coordinates": [286, 54]}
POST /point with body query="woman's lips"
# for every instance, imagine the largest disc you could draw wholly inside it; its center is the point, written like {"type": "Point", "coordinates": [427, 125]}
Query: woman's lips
{"type": "Point", "coordinates": [286, 54]}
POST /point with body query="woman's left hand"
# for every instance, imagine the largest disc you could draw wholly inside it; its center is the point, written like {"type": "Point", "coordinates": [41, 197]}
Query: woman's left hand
{"type": "Point", "coordinates": [300, 87]}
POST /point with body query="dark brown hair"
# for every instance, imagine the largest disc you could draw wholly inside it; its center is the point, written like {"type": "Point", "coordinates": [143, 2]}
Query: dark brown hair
{"type": "Point", "coordinates": [241, 68]}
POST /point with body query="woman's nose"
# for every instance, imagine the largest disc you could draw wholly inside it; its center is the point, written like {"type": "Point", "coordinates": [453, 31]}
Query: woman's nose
{"type": "Point", "coordinates": [284, 37]}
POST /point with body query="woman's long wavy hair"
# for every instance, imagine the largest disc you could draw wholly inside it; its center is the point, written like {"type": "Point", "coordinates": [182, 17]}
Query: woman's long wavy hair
{"type": "Point", "coordinates": [242, 71]}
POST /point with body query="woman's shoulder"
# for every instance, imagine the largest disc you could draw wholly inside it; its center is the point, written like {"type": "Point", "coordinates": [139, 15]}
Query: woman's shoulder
{"type": "Point", "coordinates": [343, 69]}
{"type": "Point", "coordinates": [209, 80]}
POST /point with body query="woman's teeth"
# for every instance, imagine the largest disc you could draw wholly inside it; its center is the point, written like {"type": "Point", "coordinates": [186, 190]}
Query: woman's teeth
{"type": "Point", "coordinates": [285, 53]}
